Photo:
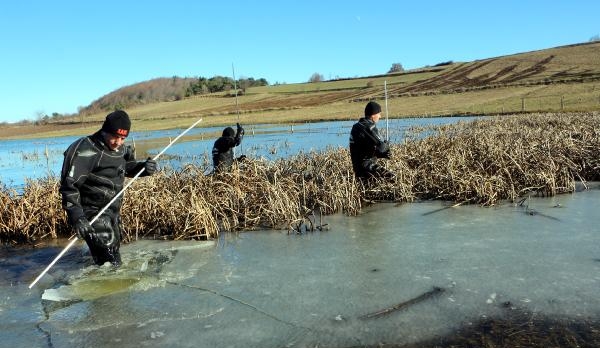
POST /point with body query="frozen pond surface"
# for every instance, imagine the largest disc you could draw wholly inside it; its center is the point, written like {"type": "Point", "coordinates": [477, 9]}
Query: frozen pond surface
{"type": "Point", "coordinates": [274, 289]}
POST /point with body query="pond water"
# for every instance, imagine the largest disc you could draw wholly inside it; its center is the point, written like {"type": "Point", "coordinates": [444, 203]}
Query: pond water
{"type": "Point", "coordinates": [449, 266]}
{"type": "Point", "coordinates": [35, 158]}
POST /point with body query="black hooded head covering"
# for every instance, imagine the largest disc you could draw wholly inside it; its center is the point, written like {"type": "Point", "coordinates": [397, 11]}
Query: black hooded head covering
{"type": "Point", "coordinates": [228, 132]}
{"type": "Point", "coordinates": [117, 123]}
{"type": "Point", "coordinates": [372, 108]}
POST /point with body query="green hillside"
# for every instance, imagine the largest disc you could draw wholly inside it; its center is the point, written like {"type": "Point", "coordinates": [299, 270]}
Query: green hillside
{"type": "Point", "coordinates": [565, 78]}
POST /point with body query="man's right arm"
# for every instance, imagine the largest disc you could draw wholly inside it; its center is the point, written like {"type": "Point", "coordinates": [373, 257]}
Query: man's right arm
{"type": "Point", "coordinates": [75, 170]}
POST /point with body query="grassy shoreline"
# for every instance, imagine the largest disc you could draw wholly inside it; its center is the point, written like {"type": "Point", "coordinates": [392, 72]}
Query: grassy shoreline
{"type": "Point", "coordinates": [508, 101]}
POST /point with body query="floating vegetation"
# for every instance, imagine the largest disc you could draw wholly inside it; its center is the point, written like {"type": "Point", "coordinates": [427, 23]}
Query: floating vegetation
{"type": "Point", "coordinates": [480, 162]}
{"type": "Point", "coordinates": [517, 328]}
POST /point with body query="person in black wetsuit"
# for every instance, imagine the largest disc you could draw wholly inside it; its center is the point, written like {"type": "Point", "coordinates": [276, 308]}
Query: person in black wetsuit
{"type": "Point", "coordinates": [222, 151]}
{"type": "Point", "coordinates": [366, 145]}
{"type": "Point", "coordinates": [93, 172]}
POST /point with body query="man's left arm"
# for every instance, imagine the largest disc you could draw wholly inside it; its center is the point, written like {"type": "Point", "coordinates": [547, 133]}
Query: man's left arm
{"type": "Point", "coordinates": [382, 147]}
{"type": "Point", "coordinates": [383, 150]}
{"type": "Point", "coordinates": [239, 135]}
{"type": "Point", "coordinates": [132, 167]}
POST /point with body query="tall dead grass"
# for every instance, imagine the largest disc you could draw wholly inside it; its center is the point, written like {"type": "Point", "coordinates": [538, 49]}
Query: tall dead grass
{"type": "Point", "coordinates": [33, 214]}
{"type": "Point", "coordinates": [490, 160]}
{"type": "Point", "coordinates": [480, 162]}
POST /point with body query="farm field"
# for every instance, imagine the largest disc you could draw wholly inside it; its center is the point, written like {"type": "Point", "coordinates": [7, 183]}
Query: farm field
{"type": "Point", "coordinates": [561, 79]}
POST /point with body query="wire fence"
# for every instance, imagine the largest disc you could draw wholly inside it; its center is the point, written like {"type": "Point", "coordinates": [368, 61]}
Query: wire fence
{"type": "Point", "coordinates": [545, 103]}
{"type": "Point", "coordinates": [575, 102]}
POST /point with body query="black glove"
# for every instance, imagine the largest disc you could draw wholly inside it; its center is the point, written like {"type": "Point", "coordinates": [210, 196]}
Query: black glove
{"type": "Point", "coordinates": [384, 150]}
{"type": "Point", "coordinates": [129, 153]}
{"type": "Point", "coordinates": [150, 166]}
{"type": "Point", "coordinates": [241, 158]}
{"type": "Point", "coordinates": [82, 227]}
{"type": "Point", "coordinates": [240, 130]}
{"type": "Point", "coordinates": [385, 146]}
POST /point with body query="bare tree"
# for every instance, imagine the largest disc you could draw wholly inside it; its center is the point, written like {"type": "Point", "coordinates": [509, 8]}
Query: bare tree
{"type": "Point", "coordinates": [595, 38]}
{"type": "Point", "coordinates": [40, 118]}
{"type": "Point", "coordinates": [396, 67]}
{"type": "Point", "coordinates": [316, 77]}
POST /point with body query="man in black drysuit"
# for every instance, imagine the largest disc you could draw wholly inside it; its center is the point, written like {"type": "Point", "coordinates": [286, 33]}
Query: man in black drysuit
{"type": "Point", "coordinates": [93, 172]}
{"type": "Point", "coordinates": [222, 151]}
{"type": "Point", "coordinates": [366, 145]}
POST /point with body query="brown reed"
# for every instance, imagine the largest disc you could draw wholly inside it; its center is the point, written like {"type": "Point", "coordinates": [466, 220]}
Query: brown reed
{"type": "Point", "coordinates": [480, 162]}
{"type": "Point", "coordinates": [516, 327]}
{"type": "Point", "coordinates": [490, 160]}
{"type": "Point", "coordinates": [33, 215]}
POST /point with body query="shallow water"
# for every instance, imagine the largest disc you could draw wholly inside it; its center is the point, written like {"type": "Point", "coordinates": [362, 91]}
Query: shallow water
{"type": "Point", "coordinates": [274, 289]}
{"type": "Point", "coordinates": [36, 158]}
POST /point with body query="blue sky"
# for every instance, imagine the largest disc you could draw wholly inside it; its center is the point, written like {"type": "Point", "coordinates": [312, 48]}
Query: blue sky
{"type": "Point", "coordinates": [59, 55]}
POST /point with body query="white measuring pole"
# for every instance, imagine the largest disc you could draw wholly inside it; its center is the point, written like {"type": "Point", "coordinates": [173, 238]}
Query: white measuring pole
{"type": "Point", "coordinates": [107, 205]}
{"type": "Point", "coordinates": [387, 123]}
{"type": "Point", "coordinates": [237, 109]}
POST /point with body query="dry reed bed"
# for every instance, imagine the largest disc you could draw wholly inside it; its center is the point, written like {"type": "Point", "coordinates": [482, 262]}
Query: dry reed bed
{"type": "Point", "coordinates": [486, 161]}
{"type": "Point", "coordinates": [32, 215]}
{"type": "Point", "coordinates": [480, 162]}
{"type": "Point", "coordinates": [258, 194]}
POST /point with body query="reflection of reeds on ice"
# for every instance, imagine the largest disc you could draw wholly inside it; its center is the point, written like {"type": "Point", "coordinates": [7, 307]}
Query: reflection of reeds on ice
{"type": "Point", "coordinates": [479, 162]}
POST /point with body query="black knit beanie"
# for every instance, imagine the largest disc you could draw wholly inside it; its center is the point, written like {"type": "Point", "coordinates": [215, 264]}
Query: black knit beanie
{"type": "Point", "coordinates": [228, 132]}
{"type": "Point", "coordinates": [117, 123]}
{"type": "Point", "coordinates": [372, 108]}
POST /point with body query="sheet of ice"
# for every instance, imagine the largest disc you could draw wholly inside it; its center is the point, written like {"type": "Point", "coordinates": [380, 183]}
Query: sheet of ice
{"type": "Point", "coordinates": [271, 289]}
{"type": "Point", "coordinates": [142, 265]}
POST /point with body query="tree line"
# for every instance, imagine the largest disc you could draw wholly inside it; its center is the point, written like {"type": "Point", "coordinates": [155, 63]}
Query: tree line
{"type": "Point", "coordinates": [167, 89]}
{"type": "Point", "coordinates": [222, 83]}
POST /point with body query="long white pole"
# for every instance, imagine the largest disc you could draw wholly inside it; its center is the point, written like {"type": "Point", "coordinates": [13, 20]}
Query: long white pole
{"type": "Point", "coordinates": [387, 123]}
{"type": "Point", "coordinates": [235, 88]}
{"type": "Point", "coordinates": [237, 109]}
{"type": "Point", "coordinates": [107, 205]}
